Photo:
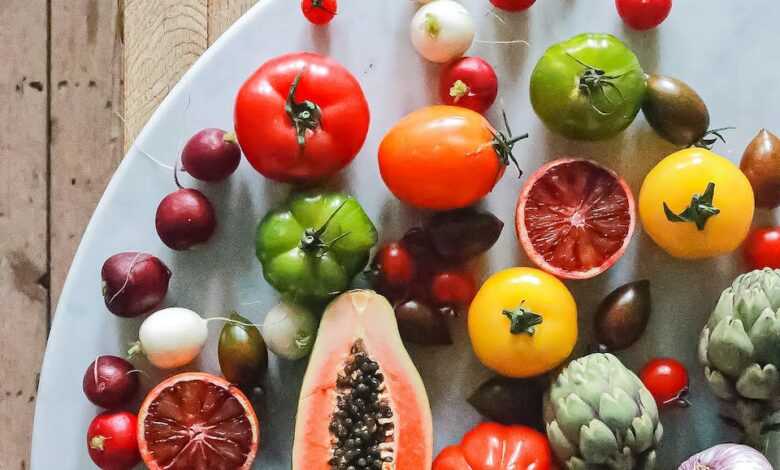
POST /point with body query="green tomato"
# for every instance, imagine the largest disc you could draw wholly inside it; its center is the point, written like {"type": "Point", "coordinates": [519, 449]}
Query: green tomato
{"type": "Point", "coordinates": [313, 245]}
{"type": "Point", "coordinates": [589, 87]}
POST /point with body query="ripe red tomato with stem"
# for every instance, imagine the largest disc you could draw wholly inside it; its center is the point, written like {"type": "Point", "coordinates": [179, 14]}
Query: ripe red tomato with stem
{"type": "Point", "coordinates": [319, 12]}
{"type": "Point", "coordinates": [469, 82]}
{"type": "Point", "coordinates": [667, 380]}
{"type": "Point", "coordinates": [301, 117]}
{"type": "Point", "coordinates": [513, 5]}
{"type": "Point", "coordinates": [112, 441]}
{"type": "Point", "coordinates": [453, 288]}
{"type": "Point", "coordinates": [395, 264]}
{"type": "Point", "coordinates": [762, 248]}
{"type": "Point", "coordinates": [643, 14]}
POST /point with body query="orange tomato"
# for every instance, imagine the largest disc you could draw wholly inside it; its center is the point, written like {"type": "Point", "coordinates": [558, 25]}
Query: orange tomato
{"type": "Point", "coordinates": [444, 157]}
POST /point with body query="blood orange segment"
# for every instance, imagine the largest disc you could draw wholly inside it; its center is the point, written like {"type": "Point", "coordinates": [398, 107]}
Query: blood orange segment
{"type": "Point", "coordinates": [196, 421]}
{"type": "Point", "coordinates": [575, 218]}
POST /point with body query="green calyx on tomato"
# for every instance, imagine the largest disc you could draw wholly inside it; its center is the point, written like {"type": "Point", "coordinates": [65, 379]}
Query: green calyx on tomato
{"type": "Point", "coordinates": [699, 211]}
{"type": "Point", "coordinates": [588, 87]}
{"type": "Point", "coordinates": [312, 246]}
{"type": "Point", "coordinates": [504, 143]}
{"type": "Point", "coordinates": [523, 320]}
{"type": "Point", "coordinates": [304, 115]}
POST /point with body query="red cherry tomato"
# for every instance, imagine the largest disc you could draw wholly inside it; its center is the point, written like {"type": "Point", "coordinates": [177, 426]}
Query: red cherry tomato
{"type": "Point", "coordinates": [301, 117]}
{"type": "Point", "coordinates": [513, 5]}
{"type": "Point", "coordinates": [667, 380]}
{"type": "Point", "coordinates": [762, 248]}
{"type": "Point", "coordinates": [395, 264]}
{"type": "Point", "coordinates": [470, 82]}
{"type": "Point", "coordinates": [453, 288]}
{"type": "Point", "coordinates": [491, 446]}
{"type": "Point", "coordinates": [319, 11]}
{"type": "Point", "coordinates": [112, 441]}
{"type": "Point", "coordinates": [643, 14]}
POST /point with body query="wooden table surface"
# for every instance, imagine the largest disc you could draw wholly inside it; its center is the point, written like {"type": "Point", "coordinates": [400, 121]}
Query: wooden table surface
{"type": "Point", "coordinates": [79, 80]}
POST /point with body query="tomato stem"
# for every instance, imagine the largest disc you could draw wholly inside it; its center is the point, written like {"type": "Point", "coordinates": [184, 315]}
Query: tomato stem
{"type": "Point", "coordinates": [699, 211]}
{"type": "Point", "coordinates": [458, 90]}
{"type": "Point", "coordinates": [708, 140]}
{"type": "Point", "coordinates": [304, 115]}
{"type": "Point", "coordinates": [522, 320]}
{"type": "Point", "coordinates": [312, 238]}
{"type": "Point", "coordinates": [681, 400]}
{"type": "Point", "coordinates": [595, 80]}
{"type": "Point", "coordinates": [503, 143]}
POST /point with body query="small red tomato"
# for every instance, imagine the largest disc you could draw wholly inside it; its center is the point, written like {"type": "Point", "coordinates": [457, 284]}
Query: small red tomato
{"type": "Point", "coordinates": [667, 380]}
{"type": "Point", "coordinates": [469, 82]}
{"type": "Point", "coordinates": [513, 5]}
{"type": "Point", "coordinates": [395, 264]}
{"type": "Point", "coordinates": [762, 248]}
{"type": "Point", "coordinates": [319, 11]}
{"type": "Point", "coordinates": [112, 441]}
{"type": "Point", "coordinates": [453, 288]}
{"type": "Point", "coordinates": [643, 14]}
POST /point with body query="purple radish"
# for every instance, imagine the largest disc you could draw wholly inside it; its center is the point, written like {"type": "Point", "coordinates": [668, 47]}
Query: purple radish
{"type": "Point", "coordinates": [211, 155]}
{"type": "Point", "coordinates": [110, 382]}
{"type": "Point", "coordinates": [134, 283]}
{"type": "Point", "coordinates": [185, 218]}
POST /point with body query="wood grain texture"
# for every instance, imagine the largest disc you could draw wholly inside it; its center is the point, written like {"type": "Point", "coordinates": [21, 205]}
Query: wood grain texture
{"type": "Point", "coordinates": [223, 13]}
{"type": "Point", "coordinates": [23, 220]}
{"type": "Point", "coordinates": [163, 38]}
{"type": "Point", "coordinates": [86, 145]}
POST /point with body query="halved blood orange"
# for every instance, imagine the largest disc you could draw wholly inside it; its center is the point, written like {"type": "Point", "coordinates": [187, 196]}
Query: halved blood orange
{"type": "Point", "coordinates": [197, 421]}
{"type": "Point", "coordinates": [575, 218]}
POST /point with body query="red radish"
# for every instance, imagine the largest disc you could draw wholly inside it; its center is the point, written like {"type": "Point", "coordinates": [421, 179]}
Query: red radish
{"type": "Point", "coordinates": [211, 155]}
{"type": "Point", "coordinates": [110, 381]}
{"type": "Point", "coordinates": [470, 82]}
{"type": "Point", "coordinates": [112, 441]}
{"type": "Point", "coordinates": [185, 218]}
{"type": "Point", "coordinates": [395, 264]}
{"type": "Point", "coordinates": [134, 283]}
{"type": "Point", "coordinates": [319, 12]}
{"type": "Point", "coordinates": [513, 5]}
{"type": "Point", "coordinates": [453, 288]}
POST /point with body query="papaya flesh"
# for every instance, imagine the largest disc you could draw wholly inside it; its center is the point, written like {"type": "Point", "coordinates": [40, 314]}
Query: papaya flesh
{"type": "Point", "coordinates": [363, 404]}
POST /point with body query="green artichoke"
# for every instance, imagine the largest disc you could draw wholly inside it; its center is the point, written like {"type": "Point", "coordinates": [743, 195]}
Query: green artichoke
{"type": "Point", "coordinates": [601, 417]}
{"type": "Point", "coordinates": [740, 350]}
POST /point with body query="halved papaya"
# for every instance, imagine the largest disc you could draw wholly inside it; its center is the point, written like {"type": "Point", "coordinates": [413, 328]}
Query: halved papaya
{"type": "Point", "coordinates": [363, 404]}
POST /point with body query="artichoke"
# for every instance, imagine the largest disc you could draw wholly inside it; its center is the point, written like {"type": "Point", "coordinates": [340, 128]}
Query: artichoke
{"type": "Point", "coordinates": [601, 417]}
{"type": "Point", "coordinates": [740, 350]}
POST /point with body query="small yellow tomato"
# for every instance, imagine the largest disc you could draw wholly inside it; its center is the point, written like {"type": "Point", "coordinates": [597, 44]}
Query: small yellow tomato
{"type": "Point", "coordinates": [696, 204]}
{"type": "Point", "coordinates": [522, 322]}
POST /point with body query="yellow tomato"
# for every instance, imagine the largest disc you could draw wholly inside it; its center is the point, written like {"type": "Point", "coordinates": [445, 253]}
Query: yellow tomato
{"type": "Point", "coordinates": [696, 223]}
{"type": "Point", "coordinates": [522, 322]}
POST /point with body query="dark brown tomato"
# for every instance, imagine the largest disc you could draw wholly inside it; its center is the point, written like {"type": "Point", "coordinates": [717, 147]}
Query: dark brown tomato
{"type": "Point", "coordinates": [761, 165]}
{"type": "Point", "coordinates": [623, 315]}
{"type": "Point", "coordinates": [675, 110]}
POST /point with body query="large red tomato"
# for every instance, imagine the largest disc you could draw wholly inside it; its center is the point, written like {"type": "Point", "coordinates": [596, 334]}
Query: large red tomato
{"type": "Point", "coordinates": [301, 117]}
{"type": "Point", "coordinates": [444, 157]}
{"type": "Point", "coordinates": [491, 446]}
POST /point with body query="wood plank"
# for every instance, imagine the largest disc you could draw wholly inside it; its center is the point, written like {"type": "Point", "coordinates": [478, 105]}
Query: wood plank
{"type": "Point", "coordinates": [163, 38]}
{"type": "Point", "coordinates": [223, 13]}
{"type": "Point", "coordinates": [86, 145]}
{"type": "Point", "coordinates": [23, 220]}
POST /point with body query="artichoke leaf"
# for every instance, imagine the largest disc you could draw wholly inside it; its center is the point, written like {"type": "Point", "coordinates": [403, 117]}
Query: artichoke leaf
{"type": "Point", "coordinates": [720, 385]}
{"type": "Point", "coordinates": [750, 305]}
{"type": "Point", "coordinates": [617, 410]}
{"type": "Point", "coordinates": [572, 413]}
{"type": "Point", "coordinates": [563, 448]}
{"type": "Point", "coordinates": [730, 348]}
{"type": "Point", "coordinates": [648, 461]}
{"type": "Point", "coordinates": [597, 442]}
{"type": "Point", "coordinates": [647, 404]}
{"type": "Point", "coordinates": [759, 383]}
{"type": "Point", "coordinates": [641, 436]}
{"type": "Point", "coordinates": [765, 336]}
{"type": "Point", "coordinates": [704, 344]}
{"type": "Point", "coordinates": [723, 310]}
{"type": "Point", "coordinates": [770, 282]}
